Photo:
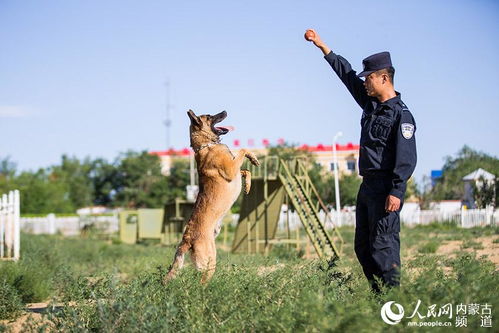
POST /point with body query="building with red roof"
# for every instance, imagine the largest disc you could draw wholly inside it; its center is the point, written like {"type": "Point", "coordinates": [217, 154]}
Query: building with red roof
{"type": "Point", "coordinates": [348, 156]}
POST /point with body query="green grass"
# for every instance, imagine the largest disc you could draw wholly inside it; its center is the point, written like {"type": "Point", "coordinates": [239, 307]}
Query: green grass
{"type": "Point", "coordinates": [469, 243]}
{"type": "Point", "coordinates": [429, 247]}
{"type": "Point", "coordinates": [113, 287]}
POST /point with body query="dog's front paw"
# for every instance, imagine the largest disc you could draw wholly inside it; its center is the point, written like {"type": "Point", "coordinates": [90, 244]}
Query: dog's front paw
{"type": "Point", "coordinates": [247, 185]}
{"type": "Point", "coordinates": [254, 160]}
{"type": "Point", "coordinates": [247, 180]}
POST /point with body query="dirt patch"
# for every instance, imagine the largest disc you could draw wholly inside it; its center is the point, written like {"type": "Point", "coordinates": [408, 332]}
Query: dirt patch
{"type": "Point", "coordinates": [33, 319]}
{"type": "Point", "coordinates": [27, 322]}
{"type": "Point", "coordinates": [449, 247]}
{"type": "Point", "coordinates": [490, 249]}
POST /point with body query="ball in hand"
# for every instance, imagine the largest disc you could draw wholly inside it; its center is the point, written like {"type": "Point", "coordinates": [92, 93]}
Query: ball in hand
{"type": "Point", "coordinates": [309, 35]}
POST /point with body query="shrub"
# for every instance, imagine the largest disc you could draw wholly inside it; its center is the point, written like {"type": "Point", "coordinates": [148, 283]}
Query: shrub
{"type": "Point", "coordinates": [10, 301]}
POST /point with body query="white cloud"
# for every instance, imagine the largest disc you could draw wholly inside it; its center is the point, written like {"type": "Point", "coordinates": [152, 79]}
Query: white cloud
{"type": "Point", "coordinates": [14, 111]}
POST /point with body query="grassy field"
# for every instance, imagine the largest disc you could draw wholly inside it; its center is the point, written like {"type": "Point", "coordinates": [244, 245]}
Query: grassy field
{"type": "Point", "coordinates": [106, 286]}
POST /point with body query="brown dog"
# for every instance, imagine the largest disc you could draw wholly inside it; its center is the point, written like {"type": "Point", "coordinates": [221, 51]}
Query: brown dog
{"type": "Point", "coordinates": [219, 186]}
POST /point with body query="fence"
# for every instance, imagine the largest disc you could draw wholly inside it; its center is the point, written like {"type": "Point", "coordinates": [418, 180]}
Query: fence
{"type": "Point", "coordinates": [463, 218]}
{"type": "Point", "coordinates": [69, 225]}
{"type": "Point", "coordinates": [479, 217]}
{"type": "Point", "coordinates": [73, 225]}
{"type": "Point", "coordinates": [424, 217]}
{"type": "Point", "coordinates": [10, 237]}
{"type": "Point", "coordinates": [347, 219]}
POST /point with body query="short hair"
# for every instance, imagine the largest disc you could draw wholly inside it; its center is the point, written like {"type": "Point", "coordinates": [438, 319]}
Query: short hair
{"type": "Point", "coordinates": [390, 71]}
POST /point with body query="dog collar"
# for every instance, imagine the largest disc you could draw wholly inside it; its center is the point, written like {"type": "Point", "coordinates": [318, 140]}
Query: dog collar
{"type": "Point", "coordinates": [212, 144]}
{"type": "Point", "coordinates": [205, 146]}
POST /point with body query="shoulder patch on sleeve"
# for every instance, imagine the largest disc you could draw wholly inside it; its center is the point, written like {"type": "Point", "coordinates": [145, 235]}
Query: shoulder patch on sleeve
{"type": "Point", "coordinates": [407, 130]}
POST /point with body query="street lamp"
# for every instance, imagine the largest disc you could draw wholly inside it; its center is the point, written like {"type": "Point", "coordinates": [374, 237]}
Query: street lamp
{"type": "Point", "coordinates": [192, 189]}
{"type": "Point", "coordinates": [336, 182]}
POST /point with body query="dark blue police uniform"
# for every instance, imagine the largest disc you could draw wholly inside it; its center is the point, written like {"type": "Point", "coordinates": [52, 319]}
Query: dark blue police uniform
{"type": "Point", "coordinates": [387, 160]}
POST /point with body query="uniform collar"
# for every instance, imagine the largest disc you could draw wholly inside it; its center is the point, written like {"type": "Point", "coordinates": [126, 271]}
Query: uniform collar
{"type": "Point", "coordinates": [392, 101]}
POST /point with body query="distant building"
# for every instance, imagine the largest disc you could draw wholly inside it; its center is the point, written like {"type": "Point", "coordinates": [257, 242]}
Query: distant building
{"type": "Point", "coordinates": [446, 206]}
{"type": "Point", "coordinates": [435, 176]}
{"type": "Point", "coordinates": [348, 156]}
{"type": "Point", "coordinates": [168, 156]}
{"type": "Point", "coordinates": [476, 179]}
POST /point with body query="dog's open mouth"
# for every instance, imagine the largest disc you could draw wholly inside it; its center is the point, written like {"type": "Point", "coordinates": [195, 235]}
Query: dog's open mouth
{"type": "Point", "coordinates": [220, 130]}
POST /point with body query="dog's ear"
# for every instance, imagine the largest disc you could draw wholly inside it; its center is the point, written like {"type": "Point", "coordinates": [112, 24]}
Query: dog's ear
{"type": "Point", "coordinates": [194, 119]}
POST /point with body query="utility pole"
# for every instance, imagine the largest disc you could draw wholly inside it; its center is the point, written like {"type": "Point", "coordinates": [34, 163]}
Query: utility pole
{"type": "Point", "coordinates": [336, 181]}
{"type": "Point", "coordinates": [168, 122]}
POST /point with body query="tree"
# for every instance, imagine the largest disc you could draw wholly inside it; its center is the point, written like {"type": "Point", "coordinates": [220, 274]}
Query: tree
{"type": "Point", "coordinates": [450, 186]}
{"type": "Point", "coordinates": [140, 183]}
{"type": "Point", "coordinates": [42, 191]}
{"type": "Point", "coordinates": [75, 178]}
{"type": "Point", "coordinates": [411, 190]}
{"type": "Point", "coordinates": [105, 181]}
{"type": "Point", "coordinates": [133, 180]}
{"type": "Point", "coordinates": [41, 195]}
{"type": "Point", "coordinates": [288, 151]}
{"type": "Point", "coordinates": [178, 180]}
{"type": "Point", "coordinates": [322, 180]}
{"type": "Point", "coordinates": [349, 187]}
{"type": "Point", "coordinates": [483, 192]}
{"type": "Point", "coordinates": [7, 175]}
{"type": "Point", "coordinates": [424, 193]}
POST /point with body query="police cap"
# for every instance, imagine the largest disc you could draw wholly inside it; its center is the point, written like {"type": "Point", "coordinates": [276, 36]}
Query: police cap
{"type": "Point", "coordinates": [376, 62]}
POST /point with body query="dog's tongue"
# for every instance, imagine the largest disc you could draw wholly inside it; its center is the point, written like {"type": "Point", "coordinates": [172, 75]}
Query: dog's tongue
{"type": "Point", "coordinates": [227, 128]}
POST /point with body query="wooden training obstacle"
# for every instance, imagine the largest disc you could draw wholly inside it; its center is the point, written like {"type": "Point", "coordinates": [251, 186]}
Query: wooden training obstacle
{"type": "Point", "coordinates": [274, 183]}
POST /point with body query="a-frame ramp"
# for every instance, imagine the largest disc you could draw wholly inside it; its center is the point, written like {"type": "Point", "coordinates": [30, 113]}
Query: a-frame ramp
{"type": "Point", "coordinates": [271, 183]}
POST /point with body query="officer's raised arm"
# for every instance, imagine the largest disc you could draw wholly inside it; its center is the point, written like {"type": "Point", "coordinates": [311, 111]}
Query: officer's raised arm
{"type": "Point", "coordinates": [342, 67]}
{"type": "Point", "coordinates": [405, 154]}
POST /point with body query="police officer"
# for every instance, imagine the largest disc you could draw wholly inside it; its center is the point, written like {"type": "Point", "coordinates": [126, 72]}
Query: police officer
{"type": "Point", "coordinates": [387, 160]}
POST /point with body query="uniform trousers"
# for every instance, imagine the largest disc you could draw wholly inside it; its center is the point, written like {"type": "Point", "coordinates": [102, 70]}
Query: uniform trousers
{"type": "Point", "coordinates": [377, 241]}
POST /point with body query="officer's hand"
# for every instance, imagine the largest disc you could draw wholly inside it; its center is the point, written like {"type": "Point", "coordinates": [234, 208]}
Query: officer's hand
{"type": "Point", "coordinates": [392, 203]}
{"type": "Point", "coordinates": [312, 36]}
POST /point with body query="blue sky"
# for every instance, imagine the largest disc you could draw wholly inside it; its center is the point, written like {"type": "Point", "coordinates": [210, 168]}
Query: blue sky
{"type": "Point", "coordinates": [87, 78]}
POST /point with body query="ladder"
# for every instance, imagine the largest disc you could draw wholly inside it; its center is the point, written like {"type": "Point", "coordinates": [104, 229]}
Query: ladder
{"type": "Point", "coordinates": [307, 202]}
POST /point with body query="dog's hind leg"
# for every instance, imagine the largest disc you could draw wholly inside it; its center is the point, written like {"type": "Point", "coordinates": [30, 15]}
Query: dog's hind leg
{"type": "Point", "coordinates": [178, 261]}
{"type": "Point", "coordinates": [208, 273]}
{"type": "Point", "coordinates": [205, 259]}
{"type": "Point", "coordinates": [247, 180]}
